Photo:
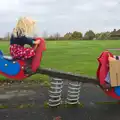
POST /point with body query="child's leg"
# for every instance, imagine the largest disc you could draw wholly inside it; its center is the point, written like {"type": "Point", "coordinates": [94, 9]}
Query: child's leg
{"type": "Point", "coordinates": [28, 53]}
{"type": "Point", "coordinates": [28, 56]}
{"type": "Point", "coordinates": [29, 61]}
{"type": "Point", "coordinates": [22, 53]}
{"type": "Point", "coordinates": [25, 54]}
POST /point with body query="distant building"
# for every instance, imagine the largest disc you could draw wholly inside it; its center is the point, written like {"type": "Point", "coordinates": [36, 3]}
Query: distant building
{"type": "Point", "coordinates": [115, 33]}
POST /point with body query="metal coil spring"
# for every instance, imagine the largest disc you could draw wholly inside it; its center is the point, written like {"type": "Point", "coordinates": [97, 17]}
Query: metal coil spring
{"type": "Point", "coordinates": [73, 93]}
{"type": "Point", "coordinates": [55, 92]}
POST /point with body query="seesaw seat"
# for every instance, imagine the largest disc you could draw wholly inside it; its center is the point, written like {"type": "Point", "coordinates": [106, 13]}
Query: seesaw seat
{"type": "Point", "coordinates": [19, 69]}
{"type": "Point", "coordinates": [102, 72]}
{"type": "Point", "coordinates": [6, 56]}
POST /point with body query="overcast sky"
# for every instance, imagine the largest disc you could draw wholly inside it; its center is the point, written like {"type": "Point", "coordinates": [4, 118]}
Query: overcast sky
{"type": "Point", "coordinates": [62, 15]}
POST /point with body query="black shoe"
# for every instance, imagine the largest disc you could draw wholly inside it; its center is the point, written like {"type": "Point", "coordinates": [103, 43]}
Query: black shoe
{"type": "Point", "coordinates": [28, 69]}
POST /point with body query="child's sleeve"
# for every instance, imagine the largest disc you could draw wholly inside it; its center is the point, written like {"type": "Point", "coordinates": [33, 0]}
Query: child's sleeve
{"type": "Point", "coordinates": [29, 41]}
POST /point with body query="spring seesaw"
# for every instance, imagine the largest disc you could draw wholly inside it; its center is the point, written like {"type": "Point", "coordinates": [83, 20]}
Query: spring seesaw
{"type": "Point", "coordinates": [107, 74]}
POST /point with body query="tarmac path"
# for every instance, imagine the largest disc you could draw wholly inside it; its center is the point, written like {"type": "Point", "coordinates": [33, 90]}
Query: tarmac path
{"type": "Point", "coordinates": [26, 102]}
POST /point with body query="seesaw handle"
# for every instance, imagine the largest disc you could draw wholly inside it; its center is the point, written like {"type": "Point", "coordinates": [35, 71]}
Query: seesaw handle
{"type": "Point", "coordinates": [35, 47]}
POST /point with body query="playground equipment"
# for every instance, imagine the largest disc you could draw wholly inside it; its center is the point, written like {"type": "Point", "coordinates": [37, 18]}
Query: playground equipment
{"type": "Point", "coordinates": [102, 72]}
{"type": "Point", "coordinates": [55, 91]}
{"type": "Point", "coordinates": [17, 69]}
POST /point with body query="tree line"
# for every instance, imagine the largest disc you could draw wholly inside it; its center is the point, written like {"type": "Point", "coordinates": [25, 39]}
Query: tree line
{"type": "Point", "coordinates": [76, 35]}
{"type": "Point", "coordinates": [89, 35]}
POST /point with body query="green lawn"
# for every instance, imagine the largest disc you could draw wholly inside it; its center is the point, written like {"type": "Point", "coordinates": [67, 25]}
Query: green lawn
{"type": "Point", "coordinates": [71, 56]}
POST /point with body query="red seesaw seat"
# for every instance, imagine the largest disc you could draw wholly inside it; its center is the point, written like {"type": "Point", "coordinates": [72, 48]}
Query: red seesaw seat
{"type": "Point", "coordinates": [102, 72]}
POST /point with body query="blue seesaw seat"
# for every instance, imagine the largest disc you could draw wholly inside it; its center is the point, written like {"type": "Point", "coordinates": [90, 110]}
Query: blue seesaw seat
{"type": "Point", "coordinates": [8, 65]}
{"type": "Point", "coordinates": [5, 56]}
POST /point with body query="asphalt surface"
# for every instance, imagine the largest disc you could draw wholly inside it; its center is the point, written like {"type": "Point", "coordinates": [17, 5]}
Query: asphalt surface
{"type": "Point", "coordinates": [26, 102]}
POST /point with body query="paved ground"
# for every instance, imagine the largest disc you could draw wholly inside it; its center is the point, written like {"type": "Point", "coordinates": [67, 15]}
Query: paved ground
{"type": "Point", "coordinates": [16, 99]}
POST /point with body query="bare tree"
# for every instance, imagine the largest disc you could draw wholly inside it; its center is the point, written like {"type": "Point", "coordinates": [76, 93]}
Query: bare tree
{"type": "Point", "coordinates": [57, 36]}
{"type": "Point", "coordinates": [45, 34]}
{"type": "Point", "coordinates": [7, 36]}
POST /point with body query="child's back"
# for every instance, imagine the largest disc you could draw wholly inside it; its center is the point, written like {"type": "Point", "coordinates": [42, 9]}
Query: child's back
{"type": "Point", "coordinates": [19, 39]}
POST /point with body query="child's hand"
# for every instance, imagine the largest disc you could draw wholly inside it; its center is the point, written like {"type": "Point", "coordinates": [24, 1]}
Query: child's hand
{"type": "Point", "coordinates": [111, 59]}
{"type": "Point", "coordinates": [37, 42]}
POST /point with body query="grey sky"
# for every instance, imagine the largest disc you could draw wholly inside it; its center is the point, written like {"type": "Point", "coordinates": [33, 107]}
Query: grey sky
{"type": "Point", "coordinates": [62, 15]}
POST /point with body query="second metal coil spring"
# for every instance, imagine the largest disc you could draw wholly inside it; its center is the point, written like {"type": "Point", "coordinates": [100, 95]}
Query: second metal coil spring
{"type": "Point", "coordinates": [73, 93]}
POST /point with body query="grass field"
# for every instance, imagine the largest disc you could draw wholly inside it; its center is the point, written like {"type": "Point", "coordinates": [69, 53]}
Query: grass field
{"type": "Point", "coordinates": [71, 56]}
